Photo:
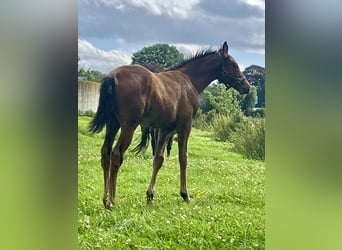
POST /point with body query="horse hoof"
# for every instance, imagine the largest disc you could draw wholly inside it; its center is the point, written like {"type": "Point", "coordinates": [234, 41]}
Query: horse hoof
{"type": "Point", "coordinates": [187, 200]}
{"type": "Point", "coordinates": [185, 197]}
{"type": "Point", "coordinates": [108, 204]}
{"type": "Point", "coordinates": [149, 197]}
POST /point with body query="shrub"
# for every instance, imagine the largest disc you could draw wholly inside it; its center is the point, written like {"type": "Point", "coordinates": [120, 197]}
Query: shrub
{"type": "Point", "coordinates": [260, 113]}
{"type": "Point", "coordinates": [223, 126]}
{"type": "Point", "coordinates": [249, 139]}
{"type": "Point", "coordinates": [89, 113]}
{"type": "Point", "coordinates": [200, 122]}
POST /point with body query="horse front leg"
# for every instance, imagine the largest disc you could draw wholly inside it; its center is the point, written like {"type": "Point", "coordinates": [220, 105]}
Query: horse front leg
{"type": "Point", "coordinates": [183, 161]}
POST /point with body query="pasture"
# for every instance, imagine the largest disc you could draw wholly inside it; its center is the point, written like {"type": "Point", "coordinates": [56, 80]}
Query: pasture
{"type": "Point", "coordinates": [226, 211]}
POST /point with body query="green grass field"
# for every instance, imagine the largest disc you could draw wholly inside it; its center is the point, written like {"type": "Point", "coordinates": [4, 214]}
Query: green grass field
{"type": "Point", "coordinates": [227, 208]}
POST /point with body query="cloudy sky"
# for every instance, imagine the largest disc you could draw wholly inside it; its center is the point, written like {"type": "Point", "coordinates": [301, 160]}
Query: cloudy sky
{"type": "Point", "coordinates": [110, 31]}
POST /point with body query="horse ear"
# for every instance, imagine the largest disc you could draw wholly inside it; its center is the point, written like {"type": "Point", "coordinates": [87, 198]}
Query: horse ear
{"type": "Point", "coordinates": [225, 49]}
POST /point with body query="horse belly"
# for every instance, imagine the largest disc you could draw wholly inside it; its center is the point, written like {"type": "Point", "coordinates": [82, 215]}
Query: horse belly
{"type": "Point", "coordinates": [160, 116]}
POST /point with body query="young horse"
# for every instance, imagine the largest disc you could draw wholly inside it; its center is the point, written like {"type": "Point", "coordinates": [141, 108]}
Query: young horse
{"type": "Point", "coordinates": [152, 133]}
{"type": "Point", "coordinates": [132, 95]}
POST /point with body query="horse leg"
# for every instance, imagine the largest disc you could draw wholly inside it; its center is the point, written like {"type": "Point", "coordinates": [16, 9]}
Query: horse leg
{"type": "Point", "coordinates": [153, 140]}
{"type": "Point", "coordinates": [183, 158]}
{"type": "Point", "coordinates": [116, 161]}
{"type": "Point", "coordinates": [157, 163]}
{"type": "Point", "coordinates": [105, 157]}
{"type": "Point", "coordinates": [169, 145]}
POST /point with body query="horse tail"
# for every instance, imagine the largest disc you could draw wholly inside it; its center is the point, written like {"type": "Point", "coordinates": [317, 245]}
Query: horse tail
{"type": "Point", "coordinates": [106, 109]}
{"type": "Point", "coordinates": [145, 138]}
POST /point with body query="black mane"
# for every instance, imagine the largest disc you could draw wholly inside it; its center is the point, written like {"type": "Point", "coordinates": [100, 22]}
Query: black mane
{"type": "Point", "coordinates": [199, 54]}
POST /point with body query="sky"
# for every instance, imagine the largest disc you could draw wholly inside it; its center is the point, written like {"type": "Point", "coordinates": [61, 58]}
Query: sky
{"type": "Point", "coordinates": [110, 31]}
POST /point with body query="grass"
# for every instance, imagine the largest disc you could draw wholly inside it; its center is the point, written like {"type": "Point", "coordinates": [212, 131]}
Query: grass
{"type": "Point", "coordinates": [227, 208]}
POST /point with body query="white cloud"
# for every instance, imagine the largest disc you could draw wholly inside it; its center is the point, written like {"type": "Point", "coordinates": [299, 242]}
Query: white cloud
{"type": "Point", "coordinates": [172, 8]}
{"type": "Point", "coordinates": [139, 22]}
{"type": "Point", "coordinates": [255, 3]}
{"type": "Point", "coordinates": [97, 59]}
{"type": "Point", "coordinates": [188, 25]}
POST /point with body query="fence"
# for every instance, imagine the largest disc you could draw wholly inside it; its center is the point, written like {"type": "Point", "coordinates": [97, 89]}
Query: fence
{"type": "Point", "coordinates": [88, 95]}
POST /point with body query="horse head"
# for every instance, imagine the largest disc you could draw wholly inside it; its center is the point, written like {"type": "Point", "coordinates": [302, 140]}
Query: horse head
{"type": "Point", "coordinates": [231, 75]}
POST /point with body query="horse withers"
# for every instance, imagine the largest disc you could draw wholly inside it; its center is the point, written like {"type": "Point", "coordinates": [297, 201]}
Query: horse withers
{"type": "Point", "coordinates": [132, 95]}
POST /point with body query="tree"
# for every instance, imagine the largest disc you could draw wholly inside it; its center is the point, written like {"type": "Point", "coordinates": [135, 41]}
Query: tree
{"type": "Point", "coordinates": [248, 101]}
{"type": "Point", "coordinates": [216, 97]}
{"type": "Point", "coordinates": [162, 54]}
{"type": "Point", "coordinates": [92, 75]}
{"type": "Point", "coordinates": [256, 76]}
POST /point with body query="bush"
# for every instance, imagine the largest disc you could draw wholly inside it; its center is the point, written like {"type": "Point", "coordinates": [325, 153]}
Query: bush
{"type": "Point", "coordinates": [223, 126]}
{"type": "Point", "coordinates": [260, 113]}
{"type": "Point", "coordinates": [249, 139]}
{"type": "Point", "coordinates": [204, 120]}
{"type": "Point", "coordinates": [200, 122]}
{"type": "Point", "coordinates": [89, 113]}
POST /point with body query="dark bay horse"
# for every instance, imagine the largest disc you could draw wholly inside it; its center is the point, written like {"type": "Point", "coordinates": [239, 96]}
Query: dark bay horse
{"type": "Point", "coordinates": [132, 95]}
{"type": "Point", "coordinates": [151, 134]}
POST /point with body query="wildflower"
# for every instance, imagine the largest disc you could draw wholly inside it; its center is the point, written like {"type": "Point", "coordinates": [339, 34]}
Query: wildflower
{"type": "Point", "coordinates": [196, 207]}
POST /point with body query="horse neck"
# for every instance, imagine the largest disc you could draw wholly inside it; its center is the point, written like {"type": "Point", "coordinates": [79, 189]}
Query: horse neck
{"type": "Point", "coordinates": [202, 71]}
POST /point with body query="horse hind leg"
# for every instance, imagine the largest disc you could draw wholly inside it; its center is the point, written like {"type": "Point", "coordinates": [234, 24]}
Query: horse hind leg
{"type": "Point", "coordinates": [157, 163]}
{"type": "Point", "coordinates": [116, 160]}
{"type": "Point", "coordinates": [169, 145]}
{"type": "Point", "coordinates": [105, 157]}
{"type": "Point", "coordinates": [154, 139]}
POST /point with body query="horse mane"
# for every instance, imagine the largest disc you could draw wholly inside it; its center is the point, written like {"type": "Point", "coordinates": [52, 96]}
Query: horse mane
{"type": "Point", "coordinates": [197, 55]}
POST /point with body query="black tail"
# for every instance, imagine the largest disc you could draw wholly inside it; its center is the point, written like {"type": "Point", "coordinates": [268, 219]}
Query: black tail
{"type": "Point", "coordinates": [145, 138]}
{"type": "Point", "coordinates": [105, 110]}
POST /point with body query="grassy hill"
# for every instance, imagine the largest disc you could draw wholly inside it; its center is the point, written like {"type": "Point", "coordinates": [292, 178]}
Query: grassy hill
{"type": "Point", "coordinates": [227, 208]}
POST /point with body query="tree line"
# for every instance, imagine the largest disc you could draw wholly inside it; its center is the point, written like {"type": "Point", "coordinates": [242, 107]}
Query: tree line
{"type": "Point", "coordinates": [90, 75]}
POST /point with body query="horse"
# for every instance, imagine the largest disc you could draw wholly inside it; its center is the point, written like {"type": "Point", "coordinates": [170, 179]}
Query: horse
{"type": "Point", "coordinates": [131, 95]}
{"type": "Point", "coordinates": [152, 133]}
